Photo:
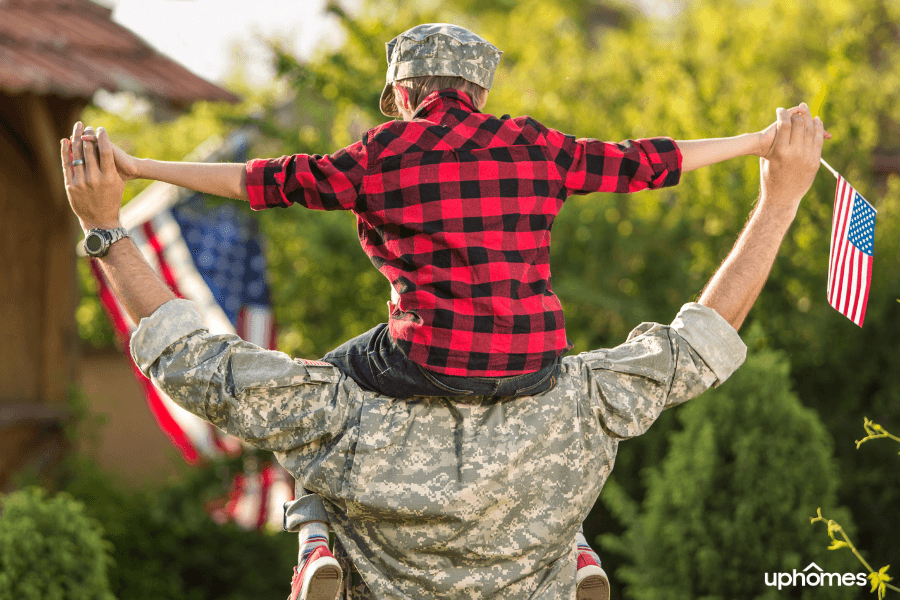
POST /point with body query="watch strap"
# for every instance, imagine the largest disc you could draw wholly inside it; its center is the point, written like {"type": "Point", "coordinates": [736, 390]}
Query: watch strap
{"type": "Point", "coordinates": [114, 235]}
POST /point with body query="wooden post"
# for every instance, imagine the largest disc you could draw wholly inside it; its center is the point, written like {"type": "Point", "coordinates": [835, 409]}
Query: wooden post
{"type": "Point", "coordinates": [38, 336]}
{"type": "Point", "coordinates": [21, 266]}
{"type": "Point", "coordinates": [44, 142]}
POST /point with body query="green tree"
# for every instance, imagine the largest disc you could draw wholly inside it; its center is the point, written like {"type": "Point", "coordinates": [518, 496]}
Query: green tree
{"type": "Point", "coordinates": [50, 548]}
{"type": "Point", "coordinates": [731, 499]}
{"type": "Point", "coordinates": [166, 544]}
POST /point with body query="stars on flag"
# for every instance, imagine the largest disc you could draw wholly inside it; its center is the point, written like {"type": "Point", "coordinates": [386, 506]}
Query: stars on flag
{"type": "Point", "coordinates": [862, 225]}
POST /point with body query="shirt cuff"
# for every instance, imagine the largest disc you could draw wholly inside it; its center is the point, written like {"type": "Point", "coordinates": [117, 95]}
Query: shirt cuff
{"type": "Point", "coordinates": [170, 322]}
{"type": "Point", "coordinates": [679, 157]}
{"type": "Point", "coordinates": [712, 337]}
{"type": "Point", "coordinates": [256, 183]}
{"type": "Point", "coordinates": [672, 161]}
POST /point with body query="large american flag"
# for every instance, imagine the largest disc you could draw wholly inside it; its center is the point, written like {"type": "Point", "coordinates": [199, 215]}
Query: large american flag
{"type": "Point", "coordinates": [852, 247]}
{"type": "Point", "coordinates": [212, 254]}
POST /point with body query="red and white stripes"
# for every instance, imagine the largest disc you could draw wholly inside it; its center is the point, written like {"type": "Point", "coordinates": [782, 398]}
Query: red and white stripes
{"type": "Point", "coordinates": [849, 269]}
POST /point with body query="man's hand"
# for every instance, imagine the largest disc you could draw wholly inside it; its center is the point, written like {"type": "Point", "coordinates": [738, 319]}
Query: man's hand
{"type": "Point", "coordinates": [786, 173]}
{"type": "Point", "coordinates": [766, 137]}
{"type": "Point", "coordinates": [788, 170]}
{"type": "Point", "coordinates": [95, 187]}
{"type": "Point", "coordinates": [95, 193]}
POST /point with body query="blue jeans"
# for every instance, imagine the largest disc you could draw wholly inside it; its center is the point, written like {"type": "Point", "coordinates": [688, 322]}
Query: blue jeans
{"type": "Point", "coordinates": [375, 362]}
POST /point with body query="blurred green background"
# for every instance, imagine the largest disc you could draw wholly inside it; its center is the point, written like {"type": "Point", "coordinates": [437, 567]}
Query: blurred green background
{"type": "Point", "coordinates": [719, 492]}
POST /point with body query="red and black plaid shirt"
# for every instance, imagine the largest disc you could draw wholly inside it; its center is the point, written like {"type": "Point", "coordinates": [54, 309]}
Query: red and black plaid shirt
{"type": "Point", "coordinates": [455, 209]}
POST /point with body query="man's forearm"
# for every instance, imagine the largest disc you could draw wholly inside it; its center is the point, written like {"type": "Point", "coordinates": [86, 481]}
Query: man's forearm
{"type": "Point", "coordinates": [219, 179]}
{"type": "Point", "coordinates": [738, 282]}
{"type": "Point", "coordinates": [785, 176]}
{"type": "Point", "coordinates": [137, 287]}
{"type": "Point", "coordinates": [696, 154]}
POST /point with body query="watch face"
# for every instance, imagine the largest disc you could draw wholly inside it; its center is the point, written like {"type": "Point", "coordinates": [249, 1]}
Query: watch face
{"type": "Point", "coordinates": [93, 243]}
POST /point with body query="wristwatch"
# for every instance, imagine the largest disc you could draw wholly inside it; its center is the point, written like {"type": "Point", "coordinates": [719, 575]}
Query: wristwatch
{"type": "Point", "coordinates": [98, 241]}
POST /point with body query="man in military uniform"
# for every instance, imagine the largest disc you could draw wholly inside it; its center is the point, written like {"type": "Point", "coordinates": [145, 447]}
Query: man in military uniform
{"type": "Point", "coordinates": [475, 497]}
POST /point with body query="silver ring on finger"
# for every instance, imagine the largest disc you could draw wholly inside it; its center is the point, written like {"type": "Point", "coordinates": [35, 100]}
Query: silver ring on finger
{"type": "Point", "coordinates": [77, 161]}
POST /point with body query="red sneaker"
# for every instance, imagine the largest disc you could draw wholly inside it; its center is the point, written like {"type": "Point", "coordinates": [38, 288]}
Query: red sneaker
{"type": "Point", "coordinates": [318, 579]}
{"type": "Point", "coordinates": [590, 578]}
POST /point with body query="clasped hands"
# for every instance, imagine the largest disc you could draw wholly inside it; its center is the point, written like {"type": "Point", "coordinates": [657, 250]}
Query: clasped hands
{"type": "Point", "coordinates": [93, 184]}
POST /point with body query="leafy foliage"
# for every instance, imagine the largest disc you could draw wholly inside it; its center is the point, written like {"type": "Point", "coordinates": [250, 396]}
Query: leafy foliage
{"type": "Point", "coordinates": [166, 544]}
{"type": "Point", "coordinates": [51, 549]}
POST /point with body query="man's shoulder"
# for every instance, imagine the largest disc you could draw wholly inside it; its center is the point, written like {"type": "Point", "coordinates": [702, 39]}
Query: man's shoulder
{"type": "Point", "coordinates": [652, 348]}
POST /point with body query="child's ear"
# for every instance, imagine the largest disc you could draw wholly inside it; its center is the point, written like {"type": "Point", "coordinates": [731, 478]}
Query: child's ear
{"type": "Point", "coordinates": [403, 100]}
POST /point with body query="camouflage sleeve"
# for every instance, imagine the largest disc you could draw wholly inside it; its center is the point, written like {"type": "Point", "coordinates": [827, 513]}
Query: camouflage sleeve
{"type": "Point", "coordinates": [260, 396]}
{"type": "Point", "coordinates": [661, 366]}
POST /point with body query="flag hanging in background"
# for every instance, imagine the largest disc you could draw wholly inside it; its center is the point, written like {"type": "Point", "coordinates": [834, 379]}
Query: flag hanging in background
{"type": "Point", "coordinates": [213, 256]}
{"type": "Point", "coordinates": [852, 247]}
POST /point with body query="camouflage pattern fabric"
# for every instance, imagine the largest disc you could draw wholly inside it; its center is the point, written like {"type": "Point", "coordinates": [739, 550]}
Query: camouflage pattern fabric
{"type": "Point", "coordinates": [465, 498]}
{"type": "Point", "coordinates": [438, 49]}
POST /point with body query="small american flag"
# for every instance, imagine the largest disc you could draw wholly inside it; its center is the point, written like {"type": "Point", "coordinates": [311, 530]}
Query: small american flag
{"type": "Point", "coordinates": [213, 256]}
{"type": "Point", "coordinates": [852, 247]}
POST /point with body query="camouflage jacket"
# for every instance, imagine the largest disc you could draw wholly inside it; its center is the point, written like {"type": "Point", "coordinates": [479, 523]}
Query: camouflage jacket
{"type": "Point", "coordinates": [438, 497]}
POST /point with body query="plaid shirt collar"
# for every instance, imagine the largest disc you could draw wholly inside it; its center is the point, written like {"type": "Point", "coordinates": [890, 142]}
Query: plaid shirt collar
{"type": "Point", "coordinates": [442, 101]}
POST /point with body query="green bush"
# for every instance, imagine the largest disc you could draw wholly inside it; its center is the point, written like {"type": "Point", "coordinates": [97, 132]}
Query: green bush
{"type": "Point", "coordinates": [731, 500]}
{"type": "Point", "coordinates": [50, 549]}
{"type": "Point", "coordinates": [167, 545]}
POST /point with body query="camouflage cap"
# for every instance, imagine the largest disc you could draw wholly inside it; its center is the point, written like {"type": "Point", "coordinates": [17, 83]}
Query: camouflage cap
{"type": "Point", "coordinates": [438, 49]}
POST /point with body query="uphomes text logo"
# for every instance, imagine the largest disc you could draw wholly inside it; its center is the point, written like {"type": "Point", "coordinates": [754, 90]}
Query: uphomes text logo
{"type": "Point", "coordinates": [814, 576]}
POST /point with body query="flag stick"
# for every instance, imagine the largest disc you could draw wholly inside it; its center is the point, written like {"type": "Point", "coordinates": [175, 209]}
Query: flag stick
{"type": "Point", "coordinates": [827, 166]}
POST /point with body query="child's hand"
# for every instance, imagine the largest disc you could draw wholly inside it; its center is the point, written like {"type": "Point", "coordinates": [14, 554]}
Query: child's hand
{"type": "Point", "coordinates": [767, 136]}
{"type": "Point", "coordinates": [126, 165]}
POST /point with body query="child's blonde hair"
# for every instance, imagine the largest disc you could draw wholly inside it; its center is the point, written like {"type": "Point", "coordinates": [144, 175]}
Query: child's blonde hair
{"type": "Point", "coordinates": [420, 87]}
